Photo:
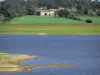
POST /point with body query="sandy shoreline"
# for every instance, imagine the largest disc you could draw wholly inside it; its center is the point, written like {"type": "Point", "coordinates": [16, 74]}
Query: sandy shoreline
{"type": "Point", "coordinates": [11, 63]}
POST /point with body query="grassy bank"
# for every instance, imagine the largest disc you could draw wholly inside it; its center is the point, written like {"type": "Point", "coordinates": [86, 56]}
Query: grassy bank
{"type": "Point", "coordinates": [50, 28]}
{"type": "Point", "coordinates": [52, 20]}
{"type": "Point", "coordinates": [50, 25]}
{"type": "Point", "coordinates": [44, 19]}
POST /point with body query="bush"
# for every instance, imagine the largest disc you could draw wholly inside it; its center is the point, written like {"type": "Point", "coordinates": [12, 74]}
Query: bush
{"type": "Point", "coordinates": [38, 13]}
{"type": "Point", "coordinates": [67, 14]}
{"type": "Point", "coordinates": [88, 20]}
{"type": "Point", "coordinates": [63, 13]}
{"type": "Point", "coordinates": [71, 15]}
{"type": "Point", "coordinates": [80, 19]}
{"type": "Point", "coordinates": [74, 17]}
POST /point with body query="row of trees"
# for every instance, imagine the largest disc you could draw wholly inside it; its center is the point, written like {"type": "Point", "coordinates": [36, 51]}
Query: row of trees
{"type": "Point", "coordinates": [84, 7]}
{"type": "Point", "coordinates": [87, 7]}
{"type": "Point", "coordinates": [17, 8]}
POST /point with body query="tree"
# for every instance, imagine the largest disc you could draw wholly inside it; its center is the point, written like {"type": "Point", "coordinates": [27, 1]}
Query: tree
{"type": "Point", "coordinates": [6, 11]}
{"type": "Point", "coordinates": [17, 8]}
{"type": "Point", "coordinates": [98, 12]}
{"type": "Point", "coordinates": [63, 13]}
{"type": "Point", "coordinates": [91, 12]}
{"type": "Point", "coordinates": [83, 6]}
{"type": "Point", "coordinates": [30, 7]}
{"type": "Point", "coordinates": [95, 5]}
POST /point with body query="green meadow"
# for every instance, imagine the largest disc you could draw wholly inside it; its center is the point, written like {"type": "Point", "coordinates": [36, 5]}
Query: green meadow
{"type": "Point", "coordinates": [50, 25]}
{"type": "Point", "coordinates": [43, 19]}
{"type": "Point", "coordinates": [51, 19]}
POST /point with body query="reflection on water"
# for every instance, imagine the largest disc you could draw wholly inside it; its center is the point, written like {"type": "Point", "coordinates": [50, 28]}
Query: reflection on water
{"type": "Point", "coordinates": [81, 50]}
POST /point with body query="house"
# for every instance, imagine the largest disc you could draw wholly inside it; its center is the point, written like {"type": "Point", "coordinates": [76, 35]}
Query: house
{"type": "Point", "coordinates": [49, 12]}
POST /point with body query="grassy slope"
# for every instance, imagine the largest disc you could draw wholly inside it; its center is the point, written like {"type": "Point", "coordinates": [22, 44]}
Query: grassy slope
{"type": "Point", "coordinates": [44, 19]}
{"type": "Point", "coordinates": [50, 25]}
{"type": "Point", "coordinates": [51, 19]}
{"type": "Point", "coordinates": [95, 19]}
{"type": "Point", "coordinates": [50, 29]}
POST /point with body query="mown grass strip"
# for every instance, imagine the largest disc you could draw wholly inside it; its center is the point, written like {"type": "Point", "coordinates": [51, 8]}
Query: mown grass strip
{"type": "Point", "coordinates": [50, 28]}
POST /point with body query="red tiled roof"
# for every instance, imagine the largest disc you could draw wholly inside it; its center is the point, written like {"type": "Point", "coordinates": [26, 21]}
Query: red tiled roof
{"type": "Point", "coordinates": [52, 9]}
{"type": "Point", "coordinates": [48, 10]}
{"type": "Point", "coordinates": [44, 10]}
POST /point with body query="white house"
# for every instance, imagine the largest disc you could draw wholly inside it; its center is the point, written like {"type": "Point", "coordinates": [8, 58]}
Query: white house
{"type": "Point", "coordinates": [47, 12]}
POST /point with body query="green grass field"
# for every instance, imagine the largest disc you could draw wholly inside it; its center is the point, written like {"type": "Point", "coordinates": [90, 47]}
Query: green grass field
{"type": "Point", "coordinates": [50, 29]}
{"type": "Point", "coordinates": [50, 25]}
{"type": "Point", "coordinates": [44, 19]}
{"type": "Point", "coordinates": [51, 19]}
{"type": "Point", "coordinates": [95, 19]}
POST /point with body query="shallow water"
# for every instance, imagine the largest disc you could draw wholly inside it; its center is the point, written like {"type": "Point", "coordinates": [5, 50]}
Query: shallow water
{"type": "Point", "coordinates": [83, 50]}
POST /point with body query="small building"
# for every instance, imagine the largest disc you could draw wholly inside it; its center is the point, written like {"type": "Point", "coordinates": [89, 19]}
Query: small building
{"type": "Point", "coordinates": [49, 12]}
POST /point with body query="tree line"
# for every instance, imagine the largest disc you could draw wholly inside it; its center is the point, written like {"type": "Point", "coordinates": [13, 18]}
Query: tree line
{"type": "Point", "coordinates": [17, 8]}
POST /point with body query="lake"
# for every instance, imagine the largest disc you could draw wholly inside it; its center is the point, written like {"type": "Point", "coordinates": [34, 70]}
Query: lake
{"type": "Point", "coordinates": [83, 50]}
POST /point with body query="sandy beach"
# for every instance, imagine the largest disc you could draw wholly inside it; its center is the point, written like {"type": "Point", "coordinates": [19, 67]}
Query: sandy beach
{"type": "Point", "coordinates": [11, 63]}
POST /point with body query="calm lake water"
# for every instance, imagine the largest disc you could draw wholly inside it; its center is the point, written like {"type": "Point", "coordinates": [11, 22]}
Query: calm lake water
{"type": "Point", "coordinates": [83, 50]}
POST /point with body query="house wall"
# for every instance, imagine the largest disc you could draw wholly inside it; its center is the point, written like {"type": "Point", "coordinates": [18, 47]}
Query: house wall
{"type": "Point", "coordinates": [43, 13]}
{"type": "Point", "coordinates": [48, 13]}
{"type": "Point", "coordinates": [52, 12]}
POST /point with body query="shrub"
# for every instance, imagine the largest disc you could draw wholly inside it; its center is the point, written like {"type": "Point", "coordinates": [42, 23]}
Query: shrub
{"type": "Point", "coordinates": [79, 19]}
{"type": "Point", "coordinates": [71, 15]}
{"type": "Point", "coordinates": [38, 13]}
{"type": "Point", "coordinates": [88, 20]}
{"type": "Point", "coordinates": [67, 14]}
{"type": "Point", "coordinates": [74, 17]}
{"type": "Point", "coordinates": [63, 13]}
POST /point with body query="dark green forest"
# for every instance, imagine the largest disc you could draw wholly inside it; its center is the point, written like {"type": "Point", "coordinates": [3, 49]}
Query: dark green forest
{"type": "Point", "coordinates": [17, 8]}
